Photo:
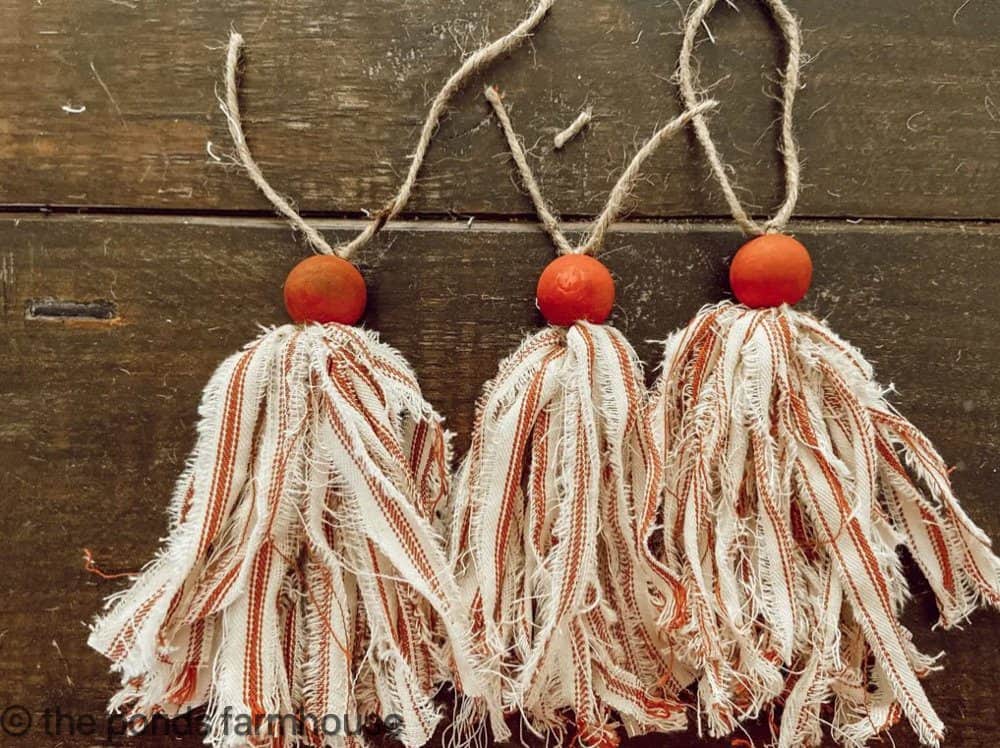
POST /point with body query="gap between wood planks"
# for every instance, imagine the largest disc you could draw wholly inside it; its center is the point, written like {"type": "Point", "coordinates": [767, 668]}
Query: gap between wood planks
{"type": "Point", "coordinates": [461, 223]}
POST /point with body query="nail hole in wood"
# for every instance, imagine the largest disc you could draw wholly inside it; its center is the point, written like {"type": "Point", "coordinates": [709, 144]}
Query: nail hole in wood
{"type": "Point", "coordinates": [100, 310]}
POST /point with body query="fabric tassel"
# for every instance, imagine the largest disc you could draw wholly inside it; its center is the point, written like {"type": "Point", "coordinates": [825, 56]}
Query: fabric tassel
{"type": "Point", "coordinates": [790, 483]}
{"type": "Point", "coordinates": [553, 504]}
{"type": "Point", "coordinates": [545, 540]}
{"type": "Point", "coordinates": [304, 574]}
{"type": "Point", "coordinates": [304, 589]}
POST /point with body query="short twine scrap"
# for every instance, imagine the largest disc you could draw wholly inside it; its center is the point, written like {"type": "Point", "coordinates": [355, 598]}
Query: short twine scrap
{"type": "Point", "coordinates": [575, 128]}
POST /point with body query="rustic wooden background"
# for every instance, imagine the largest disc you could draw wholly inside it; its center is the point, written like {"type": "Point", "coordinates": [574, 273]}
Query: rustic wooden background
{"type": "Point", "coordinates": [112, 196]}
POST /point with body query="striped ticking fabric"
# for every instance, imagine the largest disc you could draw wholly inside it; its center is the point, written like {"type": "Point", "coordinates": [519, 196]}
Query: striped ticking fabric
{"type": "Point", "coordinates": [305, 572]}
{"type": "Point", "coordinates": [789, 484]}
{"type": "Point", "coordinates": [547, 547]}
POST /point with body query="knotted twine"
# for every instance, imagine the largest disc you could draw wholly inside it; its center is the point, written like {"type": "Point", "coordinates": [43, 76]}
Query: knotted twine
{"type": "Point", "coordinates": [305, 577]}
{"type": "Point", "coordinates": [789, 483]}
{"type": "Point", "coordinates": [551, 507]}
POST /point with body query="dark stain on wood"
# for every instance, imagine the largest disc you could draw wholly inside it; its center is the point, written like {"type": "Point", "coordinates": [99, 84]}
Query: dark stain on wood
{"type": "Point", "coordinates": [67, 311]}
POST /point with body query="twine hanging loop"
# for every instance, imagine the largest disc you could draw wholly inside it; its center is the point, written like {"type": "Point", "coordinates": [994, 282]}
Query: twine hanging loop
{"type": "Point", "coordinates": [788, 25]}
{"type": "Point", "coordinates": [472, 64]}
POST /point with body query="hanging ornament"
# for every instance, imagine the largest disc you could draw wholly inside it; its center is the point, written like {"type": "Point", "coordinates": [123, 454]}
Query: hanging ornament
{"type": "Point", "coordinates": [790, 483]}
{"type": "Point", "coordinates": [304, 589]}
{"type": "Point", "coordinates": [550, 505]}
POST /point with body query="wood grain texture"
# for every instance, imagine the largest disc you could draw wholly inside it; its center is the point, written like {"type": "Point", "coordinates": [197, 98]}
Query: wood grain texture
{"type": "Point", "coordinates": [98, 415]}
{"type": "Point", "coordinates": [900, 114]}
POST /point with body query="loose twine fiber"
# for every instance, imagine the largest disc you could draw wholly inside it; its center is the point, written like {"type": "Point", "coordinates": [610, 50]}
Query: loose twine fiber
{"type": "Point", "coordinates": [619, 193]}
{"type": "Point", "coordinates": [469, 67]}
{"type": "Point", "coordinates": [788, 25]}
{"type": "Point", "coordinates": [574, 128]}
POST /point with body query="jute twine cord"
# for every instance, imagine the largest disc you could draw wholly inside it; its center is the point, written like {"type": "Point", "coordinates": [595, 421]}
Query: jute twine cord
{"type": "Point", "coordinates": [626, 182]}
{"type": "Point", "coordinates": [472, 64]}
{"type": "Point", "coordinates": [789, 27]}
{"type": "Point", "coordinates": [231, 108]}
{"type": "Point", "coordinates": [619, 193]}
{"type": "Point", "coordinates": [547, 218]}
{"type": "Point", "coordinates": [574, 128]}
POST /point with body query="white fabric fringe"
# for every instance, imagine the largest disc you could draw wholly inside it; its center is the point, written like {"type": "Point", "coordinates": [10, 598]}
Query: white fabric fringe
{"type": "Point", "coordinates": [546, 541]}
{"type": "Point", "coordinates": [789, 484]}
{"type": "Point", "coordinates": [304, 573]}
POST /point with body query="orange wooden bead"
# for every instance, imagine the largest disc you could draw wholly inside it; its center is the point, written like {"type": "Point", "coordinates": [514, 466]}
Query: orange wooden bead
{"type": "Point", "coordinates": [574, 288]}
{"type": "Point", "coordinates": [325, 288]}
{"type": "Point", "coordinates": [770, 270]}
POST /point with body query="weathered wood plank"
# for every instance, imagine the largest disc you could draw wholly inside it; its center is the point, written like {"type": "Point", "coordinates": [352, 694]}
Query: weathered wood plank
{"type": "Point", "coordinates": [98, 415]}
{"type": "Point", "coordinates": [900, 115]}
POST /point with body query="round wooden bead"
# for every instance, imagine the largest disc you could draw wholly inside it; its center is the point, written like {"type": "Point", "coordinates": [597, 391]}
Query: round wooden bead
{"type": "Point", "coordinates": [770, 270]}
{"type": "Point", "coordinates": [574, 288]}
{"type": "Point", "coordinates": [325, 288]}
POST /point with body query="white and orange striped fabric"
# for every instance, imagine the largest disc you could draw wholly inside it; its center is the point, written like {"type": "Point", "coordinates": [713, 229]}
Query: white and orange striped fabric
{"type": "Point", "coordinates": [790, 483]}
{"type": "Point", "coordinates": [546, 543]}
{"type": "Point", "coordinates": [304, 572]}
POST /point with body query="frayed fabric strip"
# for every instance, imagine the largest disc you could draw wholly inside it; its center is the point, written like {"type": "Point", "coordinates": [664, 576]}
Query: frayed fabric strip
{"type": "Point", "coordinates": [305, 569]}
{"type": "Point", "coordinates": [790, 483]}
{"type": "Point", "coordinates": [545, 543]}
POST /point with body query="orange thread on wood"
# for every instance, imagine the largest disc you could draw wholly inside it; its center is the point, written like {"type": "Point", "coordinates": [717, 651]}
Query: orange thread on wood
{"type": "Point", "coordinates": [89, 565]}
